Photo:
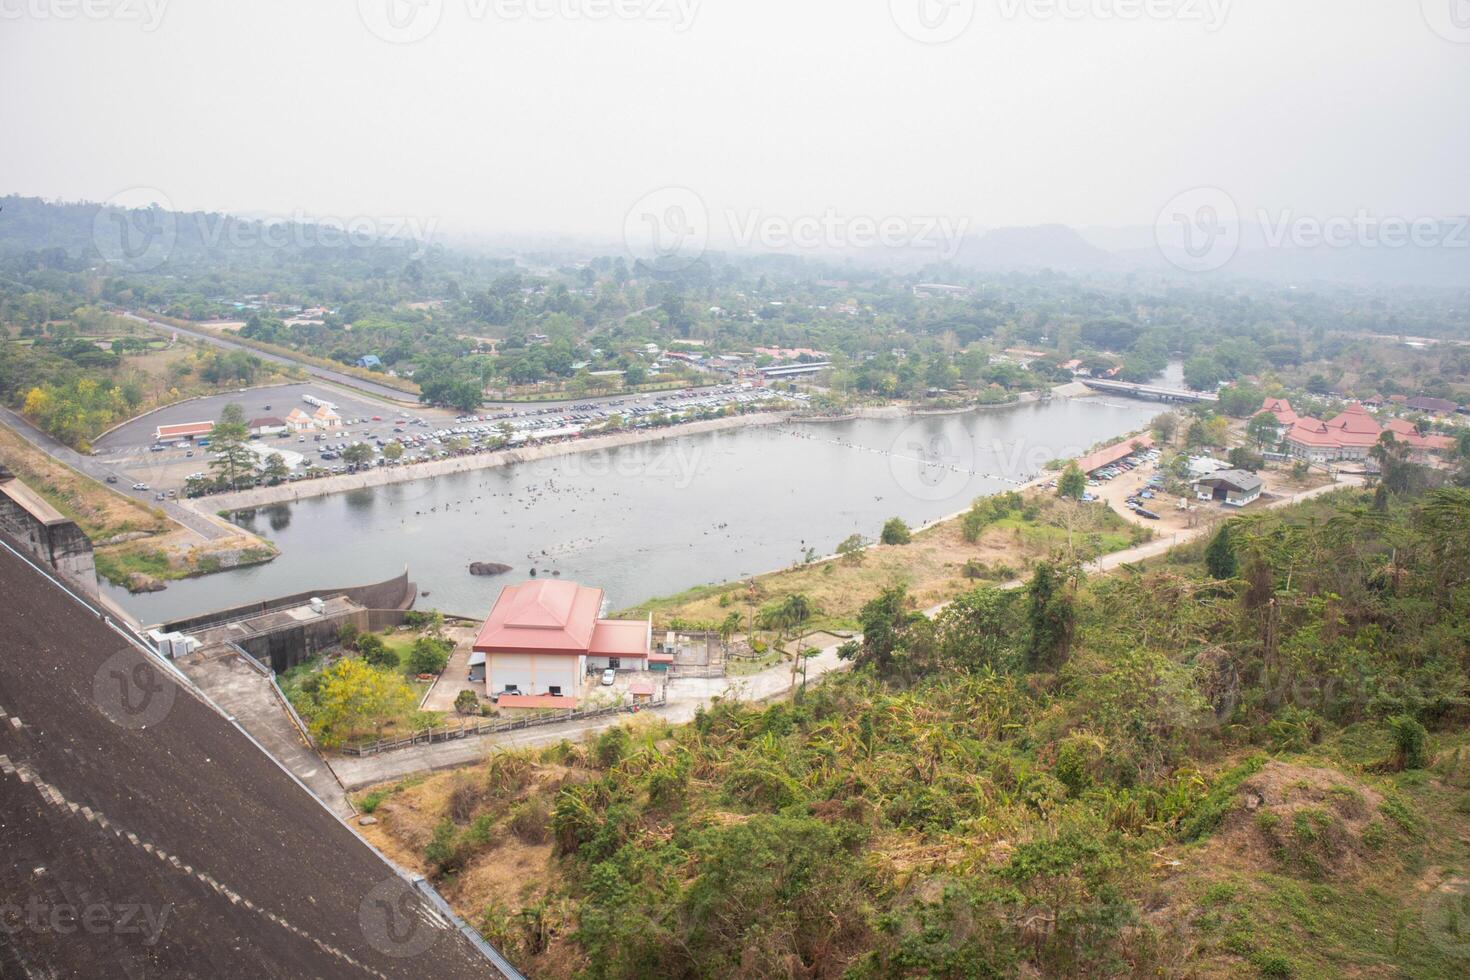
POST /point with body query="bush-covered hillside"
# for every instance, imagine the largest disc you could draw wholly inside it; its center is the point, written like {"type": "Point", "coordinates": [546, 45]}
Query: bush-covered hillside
{"type": "Point", "coordinates": [1156, 772]}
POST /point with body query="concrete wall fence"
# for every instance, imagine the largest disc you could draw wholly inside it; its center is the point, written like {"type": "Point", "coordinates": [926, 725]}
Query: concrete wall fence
{"type": "Point", "coordinates": [396, 594]}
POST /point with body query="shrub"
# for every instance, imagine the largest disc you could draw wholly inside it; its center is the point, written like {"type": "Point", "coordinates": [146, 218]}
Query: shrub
{"type": "Point", "coordinates": [530, 821]}
{"type": "Point", "coordinates": [895, 531]}
{"type": "Point", "coordinates": [376, 652]}
{"type": "Point", "coordinates": [430, 654]}
{"type": "Point", "coordinates": [612, 745]}
{"type": "Point", "coordinates": [467, 702]}
{"type": "Point", "coordinates": [1410, 743]}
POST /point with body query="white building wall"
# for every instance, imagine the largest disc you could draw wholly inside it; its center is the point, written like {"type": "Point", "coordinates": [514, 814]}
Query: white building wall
{"type": "Point", "coordinates": [624, 663]}
{"type": "Point", "coordinates": [533, 673]}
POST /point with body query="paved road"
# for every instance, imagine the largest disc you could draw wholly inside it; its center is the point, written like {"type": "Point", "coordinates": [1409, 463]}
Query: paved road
{"type": "Point", "coordinates": [685, 697]}
{"type": "Point", "coordinates": [100, 470]}
{"type": "Point", "coordinates": [382, 392]}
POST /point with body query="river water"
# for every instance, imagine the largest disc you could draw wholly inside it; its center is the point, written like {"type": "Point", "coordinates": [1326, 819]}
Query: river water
{"type": "Point", "coordinates": [654, 518]}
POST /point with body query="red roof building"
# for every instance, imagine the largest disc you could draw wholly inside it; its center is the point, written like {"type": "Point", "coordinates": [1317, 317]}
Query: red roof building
{"type": "Point", "coordinates": [1352, 432]}
{"type": "Point", "coordinates": [544, 637]}
{"type": "Point", "coordinates": [183, 430]}
{"type": "Point", "coordinates": [1111, 454]}
{"type": "Point", "coordinates": [1421, 446]}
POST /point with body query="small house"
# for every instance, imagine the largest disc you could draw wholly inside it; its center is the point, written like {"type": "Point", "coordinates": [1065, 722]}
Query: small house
{"type": "Point", "coordinates": [1235, 488]}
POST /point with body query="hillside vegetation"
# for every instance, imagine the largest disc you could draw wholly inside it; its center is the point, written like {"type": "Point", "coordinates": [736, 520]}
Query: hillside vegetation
{"type": "Point", "coordinates": [1259, 767]}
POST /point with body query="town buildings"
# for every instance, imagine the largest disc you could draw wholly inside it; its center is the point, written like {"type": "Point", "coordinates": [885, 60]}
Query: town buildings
{"type": "Point", "coordinates": [1349, 435]}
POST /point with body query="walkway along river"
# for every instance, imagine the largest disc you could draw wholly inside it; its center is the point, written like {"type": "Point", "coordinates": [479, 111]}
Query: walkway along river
{"type": "Point", "coordinates": [657, 517]}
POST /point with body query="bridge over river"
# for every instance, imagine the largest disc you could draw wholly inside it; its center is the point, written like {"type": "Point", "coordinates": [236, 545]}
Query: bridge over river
{"type": "Point", "coordinates": [1150, 391]}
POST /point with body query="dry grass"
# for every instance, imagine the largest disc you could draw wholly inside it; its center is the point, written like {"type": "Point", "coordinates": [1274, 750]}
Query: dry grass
{"type": "Point", "coordinates": [99, 511]}
{"type": "Point", "coordinates": [931, 566]}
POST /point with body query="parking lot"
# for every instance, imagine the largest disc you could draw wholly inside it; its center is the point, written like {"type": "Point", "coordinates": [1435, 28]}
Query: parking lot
{"type": "Point", "coordinates": [163, 469]}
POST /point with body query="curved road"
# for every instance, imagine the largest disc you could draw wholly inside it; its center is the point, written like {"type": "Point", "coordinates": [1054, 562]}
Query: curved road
{"type": "Point", "coordinates": [100, 471]}
{"type": "Point", "coordinates": [323, 374]}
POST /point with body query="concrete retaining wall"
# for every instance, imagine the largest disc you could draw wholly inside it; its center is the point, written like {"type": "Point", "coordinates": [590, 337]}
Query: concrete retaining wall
{"type": "Point", "coordinates": [50, 537]}
{"type": "Point", "coordinates": [396, 593]}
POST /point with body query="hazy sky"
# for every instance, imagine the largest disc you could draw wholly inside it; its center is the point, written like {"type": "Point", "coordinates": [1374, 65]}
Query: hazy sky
{"type": "Point", "coordinates": [550, 116]}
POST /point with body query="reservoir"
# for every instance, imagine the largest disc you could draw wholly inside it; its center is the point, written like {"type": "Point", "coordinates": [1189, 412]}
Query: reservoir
{"type": "Point", "coordinates": [654, 518]}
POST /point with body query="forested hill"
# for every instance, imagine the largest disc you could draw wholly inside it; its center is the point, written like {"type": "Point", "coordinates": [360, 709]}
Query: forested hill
{"type": "Point", "coordinates": [87, 232]}
{"type": "Point", "coordinates": [1246, 759]}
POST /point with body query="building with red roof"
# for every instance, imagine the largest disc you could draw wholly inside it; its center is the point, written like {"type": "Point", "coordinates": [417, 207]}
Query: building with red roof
{"type": "Point", "coordinates": [1351, 433]}
{"type": "Point", "coordinates": [182, 431]}
{"type": "Point", "coordinates": [1111, 454]}
{"type": "Point", "coordinates": [543, 637]}
{"type": "Point", "coordinates": [1422, 448]}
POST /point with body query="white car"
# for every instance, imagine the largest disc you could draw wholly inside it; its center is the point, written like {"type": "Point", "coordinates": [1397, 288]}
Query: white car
{"type": "Point", "coordinates": [140, 486]}
{"type": "Point", "coordinates": [608, 676]}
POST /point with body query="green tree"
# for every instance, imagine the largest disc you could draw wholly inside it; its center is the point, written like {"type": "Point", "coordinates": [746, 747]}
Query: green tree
{"type": "Point", "coordinates": [1051, 617]}
{"type": "Point", "coordinates": [467, 702]}
{"type": "Point", "coordinates": [376, 652]}
{"type": "Point", "coordinates": [1220, 557]}
{"type": "Point", "coordinates": [851, 548]}
{"type": "Point", "coordinates": [1262, 429]}
{"type": "Point", "coordinates": [895, 531]}
{"type": "Point", "coordinates": [358, 454]}
{"type": "Point", "coordinates": [393, 452]}
{"type": "Point", "coordinates": [275, 469]}
{"type": "Point", "coordinates": [232, 461]}
{"type": "Point", "coordinates": [430, 654]}
{"type": "Point", "coordinates": [354, 698]}
{"type": "Point", "coordinates": [1072, 483]}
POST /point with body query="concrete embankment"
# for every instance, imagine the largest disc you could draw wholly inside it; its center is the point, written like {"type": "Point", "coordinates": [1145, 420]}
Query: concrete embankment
{"type": "Point", "coordinates": [285, 492]}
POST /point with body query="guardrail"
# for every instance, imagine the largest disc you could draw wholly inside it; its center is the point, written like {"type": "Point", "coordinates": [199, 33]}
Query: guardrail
{"type": "Point", "coordinates": [431, 735]}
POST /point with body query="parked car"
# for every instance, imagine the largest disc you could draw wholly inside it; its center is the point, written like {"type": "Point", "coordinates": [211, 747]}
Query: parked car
{"type": "Point", "coordinates": [608, 677]}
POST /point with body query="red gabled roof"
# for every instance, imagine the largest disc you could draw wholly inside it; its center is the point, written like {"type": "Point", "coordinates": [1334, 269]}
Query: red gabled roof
{"type": "Point", "coordinates": [1281, 408]}
{"type": "Point", "coordinates": [543, 616]}
{"type": "Point", "coordinates": [619, 638]}
{"type": "Point", "coordinates": [1312, 432]}
{"type": "Point", "coordinates": [1113, 453]}
{"type": "Point", "coordinates": [1405, 431]}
